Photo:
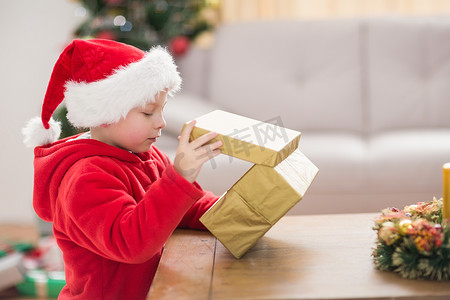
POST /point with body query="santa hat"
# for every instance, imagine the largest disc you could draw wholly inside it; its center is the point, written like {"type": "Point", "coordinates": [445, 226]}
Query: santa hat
{"type": "Point", "coordinates": [101, 81]}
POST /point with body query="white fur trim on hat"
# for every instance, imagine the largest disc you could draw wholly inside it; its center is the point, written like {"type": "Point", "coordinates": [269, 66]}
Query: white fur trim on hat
{"type": "Point", "coordinates": [35, 134]}
{"type": "Point", "coordinates": [108, 100]}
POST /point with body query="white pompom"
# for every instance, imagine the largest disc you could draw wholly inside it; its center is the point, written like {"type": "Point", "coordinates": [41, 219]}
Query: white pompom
{"type": "Point", "coordinates": [35, 133]}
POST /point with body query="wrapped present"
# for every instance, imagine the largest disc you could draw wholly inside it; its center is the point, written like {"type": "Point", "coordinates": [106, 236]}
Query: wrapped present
{"type": "Point", "coordinates": [268, 190]}
{"type": "Point", "coordinates": [11, 262]}
{"type": "Point", "coordinates": [257, 201]}
{"type": "Point", "coordinates": [10, 269]}
{"type": "Point", "coordinates": [32, 271]}
{"type": "Point", "coordinates": [265, 143]}
{"type": "Point", "coordinates": [42, 284]}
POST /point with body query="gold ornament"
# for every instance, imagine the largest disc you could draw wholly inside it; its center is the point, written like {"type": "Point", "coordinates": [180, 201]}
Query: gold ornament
{"type": "Point", "coordinates": [404, 225]}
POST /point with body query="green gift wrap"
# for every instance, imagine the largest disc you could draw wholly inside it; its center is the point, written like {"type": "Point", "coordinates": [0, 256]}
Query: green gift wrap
{"type": "Point", "coordinates": [42, 284]}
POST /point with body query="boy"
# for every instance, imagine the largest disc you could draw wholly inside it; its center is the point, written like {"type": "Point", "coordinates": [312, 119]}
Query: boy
{"type": "Point", "coordinates": [114, 198]}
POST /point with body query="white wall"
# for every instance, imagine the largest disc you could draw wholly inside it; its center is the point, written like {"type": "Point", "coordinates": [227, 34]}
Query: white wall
{"type": "Point", "coordinates": [33, 35]}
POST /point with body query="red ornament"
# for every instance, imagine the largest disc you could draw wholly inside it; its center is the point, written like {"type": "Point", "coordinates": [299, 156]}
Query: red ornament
{"type": "Point", "coordinates": [106, 35]}
{"type": "Point", "coordinates": [179, 45]}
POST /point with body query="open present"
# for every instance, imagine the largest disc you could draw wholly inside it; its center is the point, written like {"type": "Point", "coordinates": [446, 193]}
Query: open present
{"type": "Point", "coordinates": [276, 182]}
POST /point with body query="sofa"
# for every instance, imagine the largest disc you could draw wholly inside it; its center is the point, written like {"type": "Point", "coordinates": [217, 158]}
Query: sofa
{"type": "Point", "coordinates": [371, 97]}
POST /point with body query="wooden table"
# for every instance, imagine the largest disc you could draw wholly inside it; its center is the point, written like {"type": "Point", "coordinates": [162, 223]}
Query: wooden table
{"type": "Point", "coordinates": [301, 257]}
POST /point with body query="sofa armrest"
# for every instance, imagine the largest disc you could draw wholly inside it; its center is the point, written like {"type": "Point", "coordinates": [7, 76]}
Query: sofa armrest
{"type": "Point", "coordinates": [183, 108]}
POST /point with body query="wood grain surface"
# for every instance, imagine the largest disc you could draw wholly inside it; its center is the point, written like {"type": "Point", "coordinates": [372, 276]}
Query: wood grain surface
{"type": "Point", "coordinates": [301, 257]}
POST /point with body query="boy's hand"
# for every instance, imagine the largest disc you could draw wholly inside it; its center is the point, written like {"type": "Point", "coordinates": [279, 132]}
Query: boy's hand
{"type": "Point", "coordinates": [191, 156]}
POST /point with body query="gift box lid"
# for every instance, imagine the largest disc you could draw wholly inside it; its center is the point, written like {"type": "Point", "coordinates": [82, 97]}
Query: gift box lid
{"type": "Point", "coordinates": [264, 143]}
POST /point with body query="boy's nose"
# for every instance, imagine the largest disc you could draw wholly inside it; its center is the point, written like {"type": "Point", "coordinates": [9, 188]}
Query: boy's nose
{"type": "Point", "coordinates": [161, 122]}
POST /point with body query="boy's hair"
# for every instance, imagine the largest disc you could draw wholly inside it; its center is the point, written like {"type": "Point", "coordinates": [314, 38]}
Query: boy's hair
{"type": "Point", "coordinates": [100, 82]}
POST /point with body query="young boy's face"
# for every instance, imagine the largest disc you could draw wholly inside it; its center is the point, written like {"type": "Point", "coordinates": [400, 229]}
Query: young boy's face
{"type": "Point", "coordinates": [140, 128]}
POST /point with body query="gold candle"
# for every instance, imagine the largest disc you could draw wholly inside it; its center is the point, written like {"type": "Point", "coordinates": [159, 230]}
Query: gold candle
{"type": "Point", "coordinates": [446, 191]}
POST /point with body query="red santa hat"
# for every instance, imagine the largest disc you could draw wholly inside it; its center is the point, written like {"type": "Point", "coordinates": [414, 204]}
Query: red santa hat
{"type": "Point", "coordinates": [100, 82]}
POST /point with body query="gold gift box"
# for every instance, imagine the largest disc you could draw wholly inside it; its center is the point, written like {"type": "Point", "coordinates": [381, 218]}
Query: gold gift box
{"type": "Point", "coordinates": [258, 142]}
{"type": "Point", "coordinates": [257, 201]}
{"type": "Point", "coordinates": [268, 190]}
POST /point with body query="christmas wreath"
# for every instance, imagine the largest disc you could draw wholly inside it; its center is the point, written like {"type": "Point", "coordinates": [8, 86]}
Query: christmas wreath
{"type": "Point", "coordinates": [413, 242]}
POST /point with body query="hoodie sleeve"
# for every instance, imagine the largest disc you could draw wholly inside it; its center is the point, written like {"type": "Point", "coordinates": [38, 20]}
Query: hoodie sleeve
{"type": "Point", "coordinates": [97, 211]}
{"type": "Point", "coordinates": [191, 218]}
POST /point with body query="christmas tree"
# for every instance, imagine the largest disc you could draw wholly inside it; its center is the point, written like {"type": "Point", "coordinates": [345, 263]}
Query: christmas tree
{"type": "Point", "coordinates": [144, 23]}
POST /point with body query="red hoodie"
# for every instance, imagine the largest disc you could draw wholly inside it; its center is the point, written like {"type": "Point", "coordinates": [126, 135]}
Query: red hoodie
{"type": "Point", "coordinates": [112, 212]}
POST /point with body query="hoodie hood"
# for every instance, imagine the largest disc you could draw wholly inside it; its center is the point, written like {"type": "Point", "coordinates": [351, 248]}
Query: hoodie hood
{"type": "Point", "coordinates": [53, 161]}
